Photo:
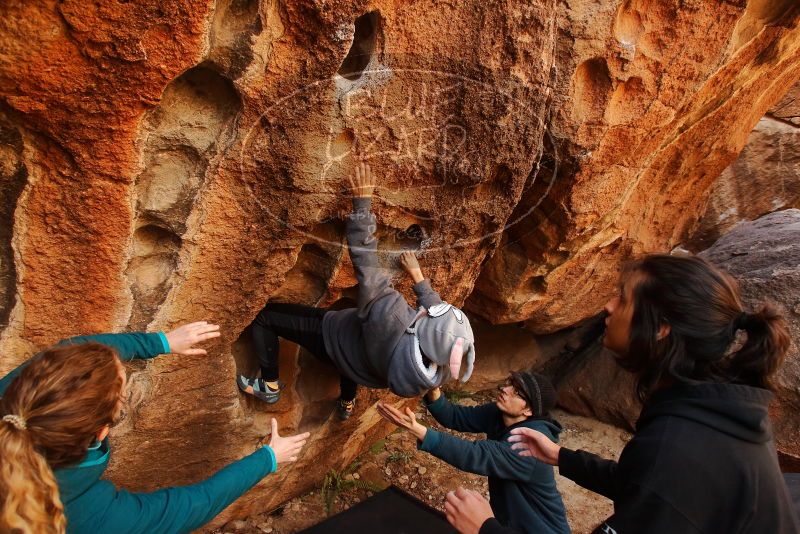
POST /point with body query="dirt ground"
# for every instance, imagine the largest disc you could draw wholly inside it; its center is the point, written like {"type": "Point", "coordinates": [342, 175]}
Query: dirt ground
{"type": "Point", "coordinates": [396, 460]}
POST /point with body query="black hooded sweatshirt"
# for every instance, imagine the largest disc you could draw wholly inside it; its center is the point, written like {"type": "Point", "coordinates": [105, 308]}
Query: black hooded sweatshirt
{"type": "Point", "coordinates": [702, 460]}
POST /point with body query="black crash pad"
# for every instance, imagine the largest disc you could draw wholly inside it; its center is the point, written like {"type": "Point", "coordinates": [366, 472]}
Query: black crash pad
{"type": "Point", "coordinates": [392, 511]}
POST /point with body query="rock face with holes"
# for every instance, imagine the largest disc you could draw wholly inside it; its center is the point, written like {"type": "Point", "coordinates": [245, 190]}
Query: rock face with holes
{"type": "Point", "coordinates": [653, 102]}
{"type": "Point", "coordinates": [167, 163]}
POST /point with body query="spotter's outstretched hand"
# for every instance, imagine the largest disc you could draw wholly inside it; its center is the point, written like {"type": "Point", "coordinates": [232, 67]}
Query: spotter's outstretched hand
{"type": "Point", "coordinates": [405, 420]}
{"type": "Point", "coordinates": [529, 442]}
{"type": "Point", "coordinates": [286, 448]}
{"type": "Point", "coordinates": [182, 339]}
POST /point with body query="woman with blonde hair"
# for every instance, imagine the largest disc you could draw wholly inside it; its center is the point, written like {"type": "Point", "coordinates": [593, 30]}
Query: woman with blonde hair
{"type": "Point", "coordinates": [56, 411]}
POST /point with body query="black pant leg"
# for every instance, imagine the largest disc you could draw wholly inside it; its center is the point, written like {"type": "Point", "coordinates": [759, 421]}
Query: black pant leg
{"type": "Point", "coordinates": [293, 322]}
{"type": "Point", "coordinates": [265, 342]}
{"type": "Point", "coordinates": [299, 324]}
{"type": "Point", "coordinates": [347, 388]}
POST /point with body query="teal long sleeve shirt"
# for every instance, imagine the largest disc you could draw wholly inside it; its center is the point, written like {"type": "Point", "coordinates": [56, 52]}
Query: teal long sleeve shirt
{"type": "Point", "coordinates": [95, 505]}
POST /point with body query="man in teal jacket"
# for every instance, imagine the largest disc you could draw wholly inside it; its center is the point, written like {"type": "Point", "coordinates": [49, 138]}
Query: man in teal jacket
{"type": "Point", "coordinates": [95, 505]}
{"type": "Point", "coordinates": [522, 490]}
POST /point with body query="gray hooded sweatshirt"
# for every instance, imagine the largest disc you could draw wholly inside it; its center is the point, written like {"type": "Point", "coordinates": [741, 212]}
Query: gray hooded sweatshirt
{"type": "Point", "coordinates": [372, 344]}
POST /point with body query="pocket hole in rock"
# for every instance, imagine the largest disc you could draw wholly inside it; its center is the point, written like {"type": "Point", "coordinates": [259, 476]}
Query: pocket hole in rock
{"type": "Point", "coordinates": [592, 89]}
{"type": "Point", "coordinates": [155, 257]}
{"type": "Point", "coordinates": [13, 178]}
{"type": "Point", "coordinates": [361, 51]}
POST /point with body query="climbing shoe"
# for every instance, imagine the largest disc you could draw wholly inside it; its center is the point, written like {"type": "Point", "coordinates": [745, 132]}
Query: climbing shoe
{"type": "Point", "coordinates": [258, 388]}
{"type": "Point", "coordinates": [345, 408]}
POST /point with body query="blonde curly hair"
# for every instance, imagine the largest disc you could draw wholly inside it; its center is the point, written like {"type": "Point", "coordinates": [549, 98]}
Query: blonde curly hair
{"type": "Point", "coordinates": [44, 417]}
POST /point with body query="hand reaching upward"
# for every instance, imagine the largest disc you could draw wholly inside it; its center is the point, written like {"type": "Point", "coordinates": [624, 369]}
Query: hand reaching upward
{"type": "Point", "coordinates": [362, 183]}
{"type": "Point", "coordinates": [287, 448]}
{"type": "Point", "coordinates": [405, 419]}
{"type": "Point", "coordinates": [408, 260]}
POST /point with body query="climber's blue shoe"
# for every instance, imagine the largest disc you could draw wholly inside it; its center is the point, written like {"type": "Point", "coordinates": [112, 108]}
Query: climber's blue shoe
{"type": "Point", "coordinates": [258, 388]}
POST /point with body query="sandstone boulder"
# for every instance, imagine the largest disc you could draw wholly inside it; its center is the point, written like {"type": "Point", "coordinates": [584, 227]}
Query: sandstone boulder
{"type": "Point", "coordinates": [640, 131]}
{"type": "Point", "coordinates": [595, 386]}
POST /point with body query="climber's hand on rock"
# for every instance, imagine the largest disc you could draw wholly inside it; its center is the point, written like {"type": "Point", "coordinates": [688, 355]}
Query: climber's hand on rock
{"type": "Point", "coordinates": [362, 183]}
{"type": "Point", "coordinates": [405, 420]}
{"type": "Point", "coordinates": [467, 510]}
{"type": "Point", "coordinates": [409, 263]}
{"type": "Point", "coordinates": [529, 442]}
{"type": "Point", "coordinates": [287, 448]}
{"type": "Point", "coordinates": [182, 339]}
{"type": "Point", "coordinates": [433, 394]}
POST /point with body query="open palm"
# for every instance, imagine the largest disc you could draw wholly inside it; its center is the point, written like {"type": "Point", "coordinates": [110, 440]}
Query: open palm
{"type": "Point", "coordinates": [183, 339]}
{"type": "Point", "coordinates": [529, 442]}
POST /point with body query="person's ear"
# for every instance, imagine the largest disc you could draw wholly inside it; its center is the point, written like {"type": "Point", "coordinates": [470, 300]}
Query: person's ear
{"type": "Point", "coordinates": [527, 412]}
{"type": "Point", "coordinates": [663, 331]}
{"type": "Point", "coordinates": [103, 432]}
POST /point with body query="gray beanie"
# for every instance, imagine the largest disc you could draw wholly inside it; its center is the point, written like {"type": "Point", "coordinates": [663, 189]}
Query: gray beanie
{"type": "Point", "coordinates": [445, 336]}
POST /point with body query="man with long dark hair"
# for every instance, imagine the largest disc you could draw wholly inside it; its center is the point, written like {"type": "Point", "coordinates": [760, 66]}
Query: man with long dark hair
{"type": "Point", "coordinates": [702, 459]}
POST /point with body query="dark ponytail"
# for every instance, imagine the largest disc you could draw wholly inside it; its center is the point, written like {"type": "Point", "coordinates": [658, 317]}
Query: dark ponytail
{"type": "Point", "coordinates": [702, 306]}
{"type": "Point", "coordinates": [767, 342]}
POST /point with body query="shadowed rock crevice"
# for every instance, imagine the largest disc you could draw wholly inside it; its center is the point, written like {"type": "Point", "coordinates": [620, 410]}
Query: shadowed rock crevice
{"type": "Point", "coordinates": [13, 178]}
{"type": "Point", "coordinates": [307, 281]}
{"type": "Point", "coordinates": [289, 407]}
{"type": "Point", "coordinates": [155, 257]}
{"type": "Point", "coordinates": [183, 138]}
{"type": "Point", "coordinates": [365, 43]}
{"type": "Point", "coordinates": [592, 88]}
{"type": "Point", "coordinates": [317, 382]}
{"type": "Point", "coordinates": [310, 274]}
{"type": "Point", "coordinates": [536, 226]}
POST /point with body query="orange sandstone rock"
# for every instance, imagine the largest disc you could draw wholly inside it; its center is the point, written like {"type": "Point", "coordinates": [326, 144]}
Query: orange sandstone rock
{"type": "Point", "coordinates": [166, 163]}
{"type": "Point", "coordinates": [763, 179]}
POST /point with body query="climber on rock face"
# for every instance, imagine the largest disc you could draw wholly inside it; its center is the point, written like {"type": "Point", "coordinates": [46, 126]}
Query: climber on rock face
{"type": "Point", "coordinates": [56, 411]}
{"type": "Point", "coordinates": [382, 343]}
